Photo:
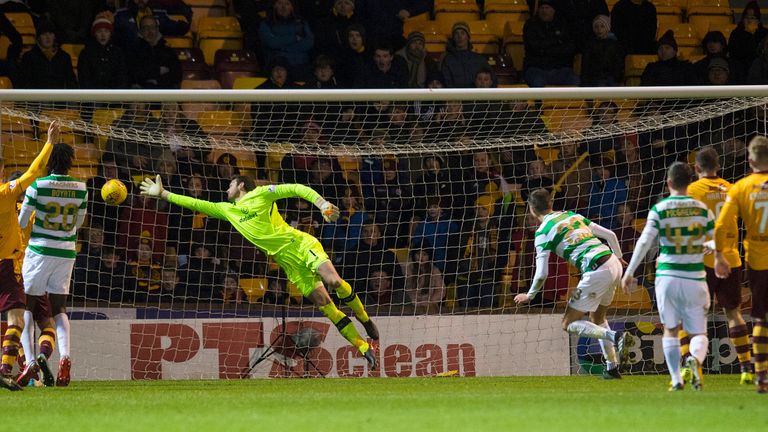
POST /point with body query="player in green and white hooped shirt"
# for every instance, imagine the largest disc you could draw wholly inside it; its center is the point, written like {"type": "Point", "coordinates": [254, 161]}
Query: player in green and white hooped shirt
{"type": "Point", "coordinates": [59, 202]}
{"type": "Point", "coordinates": [253, 212]}
{"type": "Point", "coordinates": [576, 239]}
{"type": "Point", "coordinates": [681, 225]}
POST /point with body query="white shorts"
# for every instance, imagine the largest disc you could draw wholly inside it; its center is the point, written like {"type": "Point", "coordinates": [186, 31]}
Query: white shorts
{"type": "Point", "coordinates": [597, 287]}
{"type": "Point", "coordinates": [46, 274]}
{"type": "Point", "coordinates": [683, 301]}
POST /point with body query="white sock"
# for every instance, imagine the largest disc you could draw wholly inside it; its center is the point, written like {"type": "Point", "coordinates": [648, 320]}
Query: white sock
{"type": "Point", "coordinates": [609, 349]}
{"type": "Point", "coordinates": [672, 356]}
{"type": "Point", "coordinates": [28, 337]}
{"type": "Point", "coordinates": [62, 334]}
{"type": "Point", "coordinates": [591, 330]}
{"type": "Point", "coordinates": [699, 344]}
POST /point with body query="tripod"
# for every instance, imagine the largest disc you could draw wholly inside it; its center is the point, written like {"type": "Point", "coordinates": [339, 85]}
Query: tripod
{"type": "Point", "coordinates": [291, 346]}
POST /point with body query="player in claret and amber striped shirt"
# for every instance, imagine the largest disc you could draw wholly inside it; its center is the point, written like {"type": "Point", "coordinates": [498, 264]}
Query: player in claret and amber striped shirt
{"type": "Point", "coordinates": [253, 212]}
{"type": "Point", "coordinates": [681, 224]}
{"type": "Point", "coordinates": [748, 199]}
{"type": "Point", "coordinates": [11, 291]}
{"type": "Point", "coordinates": [712, 191]}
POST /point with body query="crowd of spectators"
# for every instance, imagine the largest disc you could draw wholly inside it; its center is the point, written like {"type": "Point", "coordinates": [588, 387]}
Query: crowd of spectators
{"type": "Point", "coordinates": [412, 229]}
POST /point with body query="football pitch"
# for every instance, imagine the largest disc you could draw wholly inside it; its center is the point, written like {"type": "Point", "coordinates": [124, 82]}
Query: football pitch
{"type": "Point", "coordinates": [411, 404]}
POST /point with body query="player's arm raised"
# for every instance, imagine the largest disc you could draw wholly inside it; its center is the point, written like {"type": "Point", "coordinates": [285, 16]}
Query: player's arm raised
{"type": "Point", "coordinates": [290, 190]}
{"type": "Point", "coordinates": [726, 227]}
{"type": "Point", "coordinates": [37, 168]}
{"type": "Point", "coordinates": [154, 189]}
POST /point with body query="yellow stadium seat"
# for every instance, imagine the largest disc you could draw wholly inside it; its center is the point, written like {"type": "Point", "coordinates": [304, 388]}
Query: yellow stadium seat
{"type": "Point", "coordinates": [16, 125]}
{"type": "Point", "coordinates": [210, 46]}
{"type": "Point", "coordinates": [103, 118]}
{"type": "Point", "coordinates": [247, 83]}
{"type": "Point", "coordinates": [709, 3]}
{"type": "Point", "coordinates": [547, 154]}
{"type": "Point", "coordinates": [67, 134]}
{"type": "Point", "coordinates": [200, 85]}
{"type": "Point", "coordinates": [221, 123]}
{"type": "Point", "coordinates": [634, 65]}
{"type": "Point", "coordinates": [505, 6]}
{"type": "Point", "coordinates": [558, 120]}
{"type": "Point", "coordinates": [414, 23]}
{"type": "Point", "coordinates": [245, 159]}
{"type": "Point", "coordinates": [459, 10]}
{"type": "Point", "coordinates": [28, 40]}
{"type": "Point", "coordinates": [498, 20]}
{"type": "Point", "coordinates": [20, 147]}
{"type": "Point", "coordinates": [294, 293]}
{"type": "Point", "coordinates": [513, 42]}
{"type": "Point", "coordinates": [668, 15]}
{"type": "Point", "coordinates": [611, 4]}
{"type": "Point", "coordinates": [179, 41]}
{"type": "Point", "coordinates": [401, 254]}
{"type": "Point", "coordinates": [87, 154]}
{"type": "Point", "coordinates": [254, 288]}
{"type": "Point", "coordinates": [704, 18]}
{"type": "Point", "coordinates": [483, 32]}
{"type": "Point", "coordinates": [349, 163]}
{"type": "Point", "coordinates": [215, 33]}
{"type": "Point", "coordinates": [206, 8]}
{"type": "Point", "coordinates": [74, 52]}
{"type": "Point", "coordinates": [444, 24]}
{"type": "Point", "coordinates": [84, 172]}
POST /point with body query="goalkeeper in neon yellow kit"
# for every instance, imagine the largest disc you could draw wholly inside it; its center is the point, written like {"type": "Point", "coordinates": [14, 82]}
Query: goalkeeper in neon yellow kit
{"type": "Point", "coordinates": [252, 211]}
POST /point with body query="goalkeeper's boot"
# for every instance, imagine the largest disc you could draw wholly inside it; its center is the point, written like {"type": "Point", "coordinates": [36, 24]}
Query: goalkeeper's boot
{"type": "Point", "coordinates": [676, 387]}
{"type": "Point", "coordinates": [62, 378]}
{"type": "Point", "coordinates": [48, 379]}
{"type": "Point", "coordinates": [29, 373]}
{"type": "Point", "coordinates": [371, 330]}
{"type": "Point", "coordinates": [697, 375]}
{"type": "Point", "coordinates": [611, 374]}
{"type": "Point", "coordinates": [370, 356]}
{"type": "Point", "coordinates": [747, 378]}
{"type": "Point", "coordinates": [9, 383]}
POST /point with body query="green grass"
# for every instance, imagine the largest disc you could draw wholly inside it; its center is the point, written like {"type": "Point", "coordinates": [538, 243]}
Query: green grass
{"type": "Point", "coordinates": [410, 404]}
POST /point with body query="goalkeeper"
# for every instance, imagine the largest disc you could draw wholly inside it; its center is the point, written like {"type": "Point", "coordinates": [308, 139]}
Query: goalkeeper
{"type": "Point", "coordinates": [252, 211]}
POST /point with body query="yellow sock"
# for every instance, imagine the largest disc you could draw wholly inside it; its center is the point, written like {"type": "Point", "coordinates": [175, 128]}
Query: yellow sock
{"type": "Point", "coordinates": [345, 326]}
{"type": "Point", "coordinates": [11, 346]}
{"type": "Point", "coordinates": [344, 291]}
{"type": "Point", "coordinates": [46, 341]}
{"type": "Point", "coordinates": [740, 337]}
{"type": "Point", "coordinates": [760, 347]}
{"type": "Point", "coordinates": [685, 343]}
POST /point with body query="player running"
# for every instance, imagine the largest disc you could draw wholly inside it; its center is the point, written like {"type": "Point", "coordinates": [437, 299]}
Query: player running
{"type": "Point", "coordinates": [59, 203]}
{"type": "Point", "coordinates": [253, 212]}
{"type": "Point", "coordinates": [12, 299]}
{"type": "Point", "coordinates": [748, 198]}
{"type": "Point", "coordinates": [575, 239]}
{"type": "Point", "coordinates": [681, 224]}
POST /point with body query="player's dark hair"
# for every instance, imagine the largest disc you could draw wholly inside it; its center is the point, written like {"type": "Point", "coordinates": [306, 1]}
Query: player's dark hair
{"type": "Point", "coordinates": [679, 175]}
{"type": "Point", "coordinates": [248, 183]}
{"type": "Point", "coordinates": [14, 175]}
{"type": "Point", "coordinates": [61, 159]}
{"type": "Point", "coordinates": [540, 201]}
{"type": "Point", "coordinates": [707, 159]}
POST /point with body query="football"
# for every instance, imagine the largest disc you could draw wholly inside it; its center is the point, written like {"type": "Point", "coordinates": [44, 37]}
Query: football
{"type": "Point", "coordinates": [114, 192]}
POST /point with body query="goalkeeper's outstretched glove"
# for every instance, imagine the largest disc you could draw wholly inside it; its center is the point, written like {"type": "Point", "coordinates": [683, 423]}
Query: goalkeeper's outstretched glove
{"type": "Point", "coordinates": [330, 212]}
{"type": "Point", "coordinates": [152, 188]}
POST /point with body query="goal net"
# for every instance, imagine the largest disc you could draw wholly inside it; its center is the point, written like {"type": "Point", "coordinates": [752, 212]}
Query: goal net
{"type": "Point", "coordinates": [434, 234]}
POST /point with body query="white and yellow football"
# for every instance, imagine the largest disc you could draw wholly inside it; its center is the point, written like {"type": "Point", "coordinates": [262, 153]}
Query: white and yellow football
{"type": "Point", "coordinates": [114, 192]}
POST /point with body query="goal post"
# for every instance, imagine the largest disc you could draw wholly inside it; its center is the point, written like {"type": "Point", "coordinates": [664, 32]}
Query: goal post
{"type": "Point", "coordinates": [434, 234]}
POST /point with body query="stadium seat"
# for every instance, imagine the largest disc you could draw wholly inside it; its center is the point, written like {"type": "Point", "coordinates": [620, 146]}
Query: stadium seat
{"type": "Point", "coordinates": [205, 8]}
{"type": "Point", "coordinates": [221, 123]}
{"type": "Point", "coordinates": [246, 160]}
{"type": "Point", "coordinates": [103, 118]}
{"type": "Point", "coordinates": [74, 51]}
{"type": "Point", "coordinates": [294, 293]}
{"type": "Point", "coordinates": [218, 33]}
{"type": "Point", "coordinates": [560, 120]}
{"type": "Point", "coordinates": [401, 254]}
{"type": "Point", "coordinates": [709, 3]}
{"type": "Point", "coordinates": [254, 288]}
{"type": "Point", "coordinates": [506, 6]}
{"type": "Point", "coordinates": [179, 42]}
{"type": "Point", "coordinates": [21, 148]}
{"type": "Point", "coordinates": [87, 154]}
{"type": "Point", "coordinates": [414, 23]}
{"type": "Point", "coordinates": [634, 65]}
{"type": "Point", "coordinates": [703, 18]}
{"type": "Point", "coordinates": [513, 42]}
{"type": "Point", "coordinates": [667, 15]}
{"type": "Point", "coordinates": [484, 41]}
{"type": "Point", "coordinates": [84, 172]}
{"type": "Point", "coordinates": [457, 10]}
{"type": "Point", "coordinates": [27, 42]}
{"type": "Point", "coordinates": [16, 125]}
{"type": "Point", "coordinates": [248, 83]}
{"type": "Point", "coordinates": [193, 66]}
{"type": "Point", "coordinates": [232, 64]}
{"type": "Point", "coordinates": [497, 21]}
{"type": "Point", "coordinates": [547, 154]}
{"type": "Point", "coordinates": [504, 68]}
{"type": "Point", "coordinates": [349, 163]}
{"type": "Point", "coordinates": [67, 134]}
{"type": "Point", "coordinates": [200, 85]}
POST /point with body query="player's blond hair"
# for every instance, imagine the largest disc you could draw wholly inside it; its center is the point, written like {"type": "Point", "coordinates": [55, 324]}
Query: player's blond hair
{"type": "Point", "coordinates": [758, 151]}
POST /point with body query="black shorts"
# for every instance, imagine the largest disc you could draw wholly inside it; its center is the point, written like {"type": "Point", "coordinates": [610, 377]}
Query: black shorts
{"type": "Point", "coordinates": [728, 290]}
{"type": "Point", "coordinates": [758, 284]}
{"type": "Point", "coordinates": [11, 288]}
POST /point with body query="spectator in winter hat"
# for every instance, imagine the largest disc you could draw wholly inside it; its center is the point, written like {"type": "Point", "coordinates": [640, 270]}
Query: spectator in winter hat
{"type": "Point", "coordinates": [668, 70]}
{"type": "Point", "coordinates": [420, 65]}
{"type": "Point", "coordinates": [747, 35]}
{"type": "Point", "coordinates": [101, 64]}
{"type": "Point", "coordinates": [549, 48]}
{"type": "Point", "coordinates": [460, 63]}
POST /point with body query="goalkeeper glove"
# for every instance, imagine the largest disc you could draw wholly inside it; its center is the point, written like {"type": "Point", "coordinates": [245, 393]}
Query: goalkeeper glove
{"type": "Point", "coordinates": [152, 188]}
{"type": "Point", "coordinates": [330, 212]}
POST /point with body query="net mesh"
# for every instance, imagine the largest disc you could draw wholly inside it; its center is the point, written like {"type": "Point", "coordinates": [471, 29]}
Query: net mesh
{"type": "Point", "coordinates": [434, 235]}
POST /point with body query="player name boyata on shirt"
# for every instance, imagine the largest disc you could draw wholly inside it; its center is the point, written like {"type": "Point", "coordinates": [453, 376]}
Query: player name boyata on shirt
{"type": "Point", "coordinates": [59, 203]}
{"type": "Point", "coordinates": [682, 225]}
{"type": "Point", "coordinates": [568, 235]}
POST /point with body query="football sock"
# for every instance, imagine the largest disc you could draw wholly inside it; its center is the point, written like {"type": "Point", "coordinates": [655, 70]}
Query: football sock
{"type": "Point", "coordinates": [62, 333]}
{"type": "Point", "coordinates": [27, 335]}
{"type": "Point", "coordinates": [671, 347]}
{"type": "Point", "coordinates": [10, 348]}
{"type": "Point", "coordinates": [740, 337]}
{"type": "Point", "coordinates": [350, 298]}
{"type": "Point", "coordinates": [591, 330]}
{"type": "Point", "coordinates": [345, 326]}
{"type": "Point", "coordinates": [760, 348]}
{"type": "Point", "coordinates": [609, 349]}
{"type": "Point", "coordinates": [46, 341]}
{"type": "Point", "coordinates": [685, 343]}
{"type": "Point", "coordinates": [699, 344]}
